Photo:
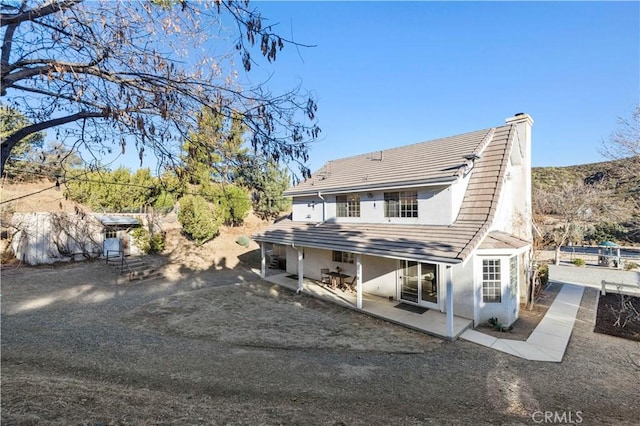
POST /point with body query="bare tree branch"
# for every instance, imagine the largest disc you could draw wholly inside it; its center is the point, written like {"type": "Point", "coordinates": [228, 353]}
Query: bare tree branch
{"type": "Point", "coordinates": [134, 65]}
{"type": "Point", "coordinates": [29, 15]}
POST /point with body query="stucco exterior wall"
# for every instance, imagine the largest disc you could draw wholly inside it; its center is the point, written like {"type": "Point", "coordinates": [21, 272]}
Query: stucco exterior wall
{"type": "Point", "coordinates": [307, 209]}
{"type": "Point", "coordinates": [463, 290]}
{"type": "Point", "coordinates": [507, 309]}
{"type": "Point", "coordinates": [435, 207]}
{"type": "Point", "coordinates": [379, 276]}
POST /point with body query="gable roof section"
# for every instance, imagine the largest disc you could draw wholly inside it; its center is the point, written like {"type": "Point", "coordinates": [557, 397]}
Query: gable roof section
{"type": "Point", "coordinates": [436, 161]}
{"type": "Point", "coordinates": [436, 243]}
{"type": "Point", "coordinates": [502, 240]}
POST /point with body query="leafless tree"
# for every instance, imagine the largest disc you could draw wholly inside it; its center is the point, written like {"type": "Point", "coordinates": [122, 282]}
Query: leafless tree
{"type": "Point", "coordinates": [624, 145]}
{"type": "Point", "coordinates": [625, 141]}
{"type": "Point", "coordinates": [111, 74]}
{"type": "Point", "coordinates": [563, 213]}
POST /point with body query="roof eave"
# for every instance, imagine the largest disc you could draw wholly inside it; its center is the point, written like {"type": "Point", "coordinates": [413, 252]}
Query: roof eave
{"type": "Point", "coordinates": [376, 187]}
{"type": "Point", "coordinates": [386, 254]}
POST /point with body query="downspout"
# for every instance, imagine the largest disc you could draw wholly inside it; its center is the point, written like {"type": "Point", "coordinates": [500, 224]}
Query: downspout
{"type": "Point", "coordinates": [324, 206]}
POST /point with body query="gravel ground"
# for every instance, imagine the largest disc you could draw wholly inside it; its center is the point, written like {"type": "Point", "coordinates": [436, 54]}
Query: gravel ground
{"type": "Point", "coordinates": [221, 347]}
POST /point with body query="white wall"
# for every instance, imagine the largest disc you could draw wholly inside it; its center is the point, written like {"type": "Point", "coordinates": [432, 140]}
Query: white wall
{"type": "Point", "coordinates": [463, 289]}
{"type": "Point", "coordinates": [292, 260]}
{"type": "Point", "coordinates": [506, 310]}
{"type": "Point", "coordinates": [517, 194]}
{"type": "Point", "coordinates": [379, 276]}
{"type": "Point", "coordinates": [435, 207]}
{"type": "Point", "coordinates": [458, 191]}
{"type": "Point", "coordinates": [307, 209]}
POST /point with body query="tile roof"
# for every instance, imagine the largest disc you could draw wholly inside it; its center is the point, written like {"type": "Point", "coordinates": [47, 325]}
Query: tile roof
{"type": "Point", "coordinates": [502, 240]}
{"type": "Point", "coordinates": [434, 161]}
{"type": "Point", "coordinates": [437, 243]}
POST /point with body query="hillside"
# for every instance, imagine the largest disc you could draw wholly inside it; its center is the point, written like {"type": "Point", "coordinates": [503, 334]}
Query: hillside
{"type": "Point", "coordinates": [620, 177]}
{"type": "Point", "coordinates": [221, 252]}
{"type": "Point", "coordinates": [607, 172]}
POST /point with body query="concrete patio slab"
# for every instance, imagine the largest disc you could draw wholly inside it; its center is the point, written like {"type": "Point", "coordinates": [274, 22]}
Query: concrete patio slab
{"type": "Point", "coordinates": [432, 322]}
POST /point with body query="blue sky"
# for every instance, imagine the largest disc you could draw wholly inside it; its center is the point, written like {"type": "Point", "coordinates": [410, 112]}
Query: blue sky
{"type": "Point", "coordinates": [388, 74]}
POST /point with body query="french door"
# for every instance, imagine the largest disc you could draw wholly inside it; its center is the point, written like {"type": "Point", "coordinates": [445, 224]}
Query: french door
{"type": "Point", "coordinates": [419, 283]}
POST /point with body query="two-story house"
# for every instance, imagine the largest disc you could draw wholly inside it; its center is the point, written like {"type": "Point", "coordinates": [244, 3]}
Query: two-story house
{"type": "Point", "coordinates": [444, 224]}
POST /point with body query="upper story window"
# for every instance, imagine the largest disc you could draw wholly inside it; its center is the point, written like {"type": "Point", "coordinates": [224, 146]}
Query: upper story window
{"type": "Point", "coordinates": [348, 205]}
{"type": "Point", "coordinates": [401, 204]}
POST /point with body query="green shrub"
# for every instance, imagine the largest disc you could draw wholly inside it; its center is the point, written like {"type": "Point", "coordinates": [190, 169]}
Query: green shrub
{"type": "Point", "coordinates": [630, 266]}
{"type": "Point", "coordinates": [269, 184]}
{"type": "Point", "coordinates": [198, 219]}
{"type": "Point", "coordinates": [543, 274]}
{"type": "Point", "coordinates": [579, 262]}
{"type": "Point", "coordinates": [148, 243]}
{"type": "Point", "coordinates": [164, 203]}
{"type": "Point", "coordinates": [232, 202]}
{"type": "Point", "coordinates": [243, 241]}
{"type": "Point", "coordinates": [236, 204]}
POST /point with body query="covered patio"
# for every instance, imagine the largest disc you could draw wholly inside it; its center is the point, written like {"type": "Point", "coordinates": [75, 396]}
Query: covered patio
{"type": "Point", "coordinates": [428, 321]}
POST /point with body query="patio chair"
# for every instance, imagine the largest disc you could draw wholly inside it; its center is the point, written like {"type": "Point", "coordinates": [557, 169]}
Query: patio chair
{"type": "Point", "coordinates": [325, 278]}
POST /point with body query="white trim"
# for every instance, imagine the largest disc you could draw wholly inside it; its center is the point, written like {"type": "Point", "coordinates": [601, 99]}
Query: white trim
{"type": "Point", "coordinates": [449, 275]}
{"type": "Point", "coordinates": [502, 252]}
{"type": "Point", "coordinates": [448, 181]}
{"type": "Point", "coordinates": [263, 261]}
{"type": "Point", "coordinates": [300, 270]}
{"type": "Point", "coordinates": [359, 281]}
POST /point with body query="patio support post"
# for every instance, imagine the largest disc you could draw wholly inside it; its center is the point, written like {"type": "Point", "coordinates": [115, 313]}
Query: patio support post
{"type": "Point", "coordinates": [450, 302]}
{"type": "Point", "coordinates": [300, 269]}
{"type": "Point", "coordinates": [358, 281]}
{"type": "Point", "coordinates": [263, 261]}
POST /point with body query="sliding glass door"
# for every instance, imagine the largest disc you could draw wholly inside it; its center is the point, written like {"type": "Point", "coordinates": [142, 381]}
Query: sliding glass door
{"type": "Point", "coordinates": [419, 283]}
{"type": "Point", "coordinates": [409, 290]}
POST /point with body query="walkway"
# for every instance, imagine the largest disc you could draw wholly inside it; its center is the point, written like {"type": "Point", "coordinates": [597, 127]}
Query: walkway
{"type": "Point", "coordinates": [429, 321]}
{"type": "Point", "coordinates": [550, 338]}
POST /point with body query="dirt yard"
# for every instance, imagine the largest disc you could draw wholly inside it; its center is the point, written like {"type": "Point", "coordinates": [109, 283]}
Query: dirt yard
{"type": "Point", "coordinates": [222, 347]}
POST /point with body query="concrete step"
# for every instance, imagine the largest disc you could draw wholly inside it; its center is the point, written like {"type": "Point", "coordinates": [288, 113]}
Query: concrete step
{"type": "Point", "coordinates": [148, 276]}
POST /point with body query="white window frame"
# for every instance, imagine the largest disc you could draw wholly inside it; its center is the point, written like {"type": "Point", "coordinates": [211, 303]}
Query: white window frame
{"type": "Point", "coordinates": [348, 205]}
{"type": "Point", "coordinates": [490, 279]}
{"type": "Point", "coordinates": [514, 275]}
{"type": "Point", "coordinates": [405, 204]}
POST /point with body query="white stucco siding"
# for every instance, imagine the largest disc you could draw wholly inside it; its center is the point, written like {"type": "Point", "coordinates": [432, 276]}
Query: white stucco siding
{"type": "Point", "coordinates": [307, 209]}
{"type": "Point", "coordinates": [379, 276]}
{"type": "Point", "coordinates": [521, 199]}
{"type": "Point", "coordinates": [463, 289]}
{"type": "Point", "coordinates": [315, 260]}
{"type": "Point", "coordinates": [292, 260]}
{"type": "Point", "coordinates": [458, 191]}
{"type": "Point", "coordinates": [507, 309]}
{"type": "Point", "coordinates": [514, 206]}
{"type": "Point", "coordinates": [435, 207]}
